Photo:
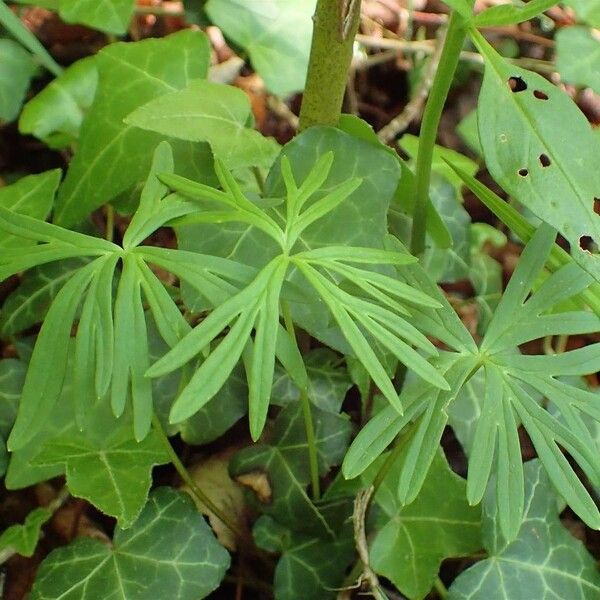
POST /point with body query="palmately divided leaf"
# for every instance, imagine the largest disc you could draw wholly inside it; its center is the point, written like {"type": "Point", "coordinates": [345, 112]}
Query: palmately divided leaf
{"type": "Point", "coordinates": [168, 552]}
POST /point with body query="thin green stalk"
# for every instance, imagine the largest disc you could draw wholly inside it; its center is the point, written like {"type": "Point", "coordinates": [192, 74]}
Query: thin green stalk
{"type": "Point", "coordinates": [335, 25]}
{"type": "Point", "coordinates": [311, 439]}
{"type": "Point", "coordinates": [455, 38]}
{"type": "Point", "coordinates": [189, 480]}
{"type": "Point", "coordinates": [110, 223]}
{"type": "Point", "coordinates": [440, 588]}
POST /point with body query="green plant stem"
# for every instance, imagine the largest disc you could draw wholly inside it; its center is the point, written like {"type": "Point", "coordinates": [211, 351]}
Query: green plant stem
{"type": "Point", "coordinates": [189, 480]}
{"type": "Point", "coordinates": [330, 59]}
{"type": "Point", "coordinates": [440, 588]}
{"type": "Point", "coordinates": [455, 38]}
{"type": "Point", "coordinates": [110, 223]}
{"type": "Point", "coordinates": [311, 439]}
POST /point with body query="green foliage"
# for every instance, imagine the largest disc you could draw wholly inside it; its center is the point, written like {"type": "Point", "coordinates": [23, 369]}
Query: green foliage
{"type": "Point", "coordinates": [16, 70]}
{"type": "Point", "coordinates": [56, 113]}
{"type": "Point", "coordinates": [286, 299]}
{"type": "Point", "coordinates": [169, 551]}
{"type": "Point", "coordinates": [113, 156]}
{"type": "Point", "coordinates": [544, 561]}
{"type": "Point", "coordinates": [276, 37]}
{"type": "Point", "coordinates": [578, 57]}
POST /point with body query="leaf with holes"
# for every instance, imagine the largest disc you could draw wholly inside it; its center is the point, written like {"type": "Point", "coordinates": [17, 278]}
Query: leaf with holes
{"type": "Point", "coordinates": [548, 164]}
{"type": "Point", "coordinates": [168, 552]}
{"type": "Point", "coordinates": [545, 561]}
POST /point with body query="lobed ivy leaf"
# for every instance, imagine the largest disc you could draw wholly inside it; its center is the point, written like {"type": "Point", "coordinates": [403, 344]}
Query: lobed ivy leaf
{"type": "Point", "coordinates": [168, 552]}
{"type": "Point", "coordinates": [112, 156]}
{"type": "Point", "coordinates": [410, 542]}
{"type": "Point", "coordinates": [543, 561]}
{"type": "Point", "coordinates": [23, 538]}
{"type": "Point", "coordinates": [56, 113]}
{"type": "Point", "coordinates": [309, 567]}
{"type": "Point", "coordinates": [209, 112]}
{"type": "Point", "coordinates": [282, 464]}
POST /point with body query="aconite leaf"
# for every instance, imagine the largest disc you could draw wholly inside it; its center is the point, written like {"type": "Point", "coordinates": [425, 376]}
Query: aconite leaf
{"type": "Point", "coordinates": [169, 552]}
{"type": "Point", "coordinates": [544, 562]}
{"type": "Point", "coordinates": [112, 156]}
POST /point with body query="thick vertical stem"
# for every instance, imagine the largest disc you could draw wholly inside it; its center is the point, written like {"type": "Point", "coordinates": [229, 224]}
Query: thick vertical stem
{"type": "Point", "coordinates": [455, 38]}
{"type": "Point", "coordinates": [335, 25]}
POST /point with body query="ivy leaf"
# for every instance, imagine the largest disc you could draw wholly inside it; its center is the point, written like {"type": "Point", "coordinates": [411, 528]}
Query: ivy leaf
{"type": "Point", "coordinates": [112, 156]}
{"type": "Point", "coordinates": [23, 538]}
{"type": "Point", "coordinates": [543, 561]}
{"type": "Point", "coordinates": [56, 113]}
{"type": "Point", "coordinates": [209, 112]}
{"type": "Point", "coordinates": [33, 196]}
{"type": "Point", "coordinates": [411, 541]}
{"type": "Point", "coordinates": [105, 465]}
{"type": "Point", "coordinates": [16, 70]}
{"type": "Point", "coordinates": [282, 466]}
{"type": "Point", "coordinates": [112, 16]}
{"type": "Point", "coordinates": [309, 567]}
{"type": "Point", "coordinates": [29, 303]}
{"type": "Point", "coordinates": [276, 36]}
{"type": "Point", "coordinates": [169, 552]}
{"type": "Point", "coordinates": [536, 159]}
{"type": "Point", "coordinates": [578, 57]}
{"type": "Point", "coordinates": [328, 383]}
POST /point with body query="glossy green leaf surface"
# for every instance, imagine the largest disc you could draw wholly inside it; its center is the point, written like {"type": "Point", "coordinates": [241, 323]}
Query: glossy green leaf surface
{"type": "Point", "coordinates": [209, 112]}
{"type": "Point", "coordinates": [509, 14]}
{"type": "Point", "coordinates": [12, 376]}
{"type": "Point", "coordinates": [276, 37]}
{"type": "Point", "coordinates": [411, 541]}
{"type": "Point", "coordinates": [112, 16]}
{"type": "Point", "coordinates": [56, 113]}
{"type": "Point", "coordinates": [112, 156]}
{"type": "Point", "coordinates": [545, 561]}
{"type": "Point", "coordinates": [168, 552]}
{"type": "Point", "coordinates": [16, 70]}
{"type": "Point", "coordinates": [309, 567]}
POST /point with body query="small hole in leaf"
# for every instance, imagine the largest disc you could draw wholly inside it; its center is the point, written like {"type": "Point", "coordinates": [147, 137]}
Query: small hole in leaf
{"type": "Point", "coordinates": [517, 84]}
{"type": "Point", "coordinates": [523, 172]}
{"type": "Point", "coordinates": [585, 241]}
{"type": "Point", "coordinates": [597, 205]}
{"type": "Point", "coordinates": [540, 95]}
{"type": "Point", "coordinates": [545, 160]}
